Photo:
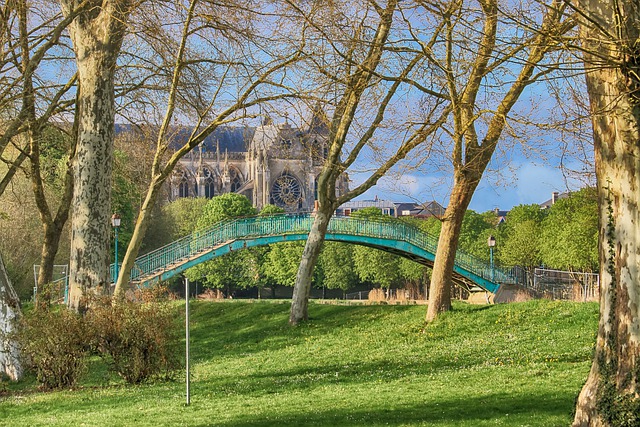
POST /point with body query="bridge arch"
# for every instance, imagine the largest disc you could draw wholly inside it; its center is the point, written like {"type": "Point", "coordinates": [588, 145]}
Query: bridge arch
{"type": "Point", "coordinates": [390, 235]}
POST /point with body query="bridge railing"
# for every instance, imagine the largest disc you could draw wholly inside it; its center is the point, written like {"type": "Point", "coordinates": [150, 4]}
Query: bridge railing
{"type": "Point", "coordinates": [242, 228]}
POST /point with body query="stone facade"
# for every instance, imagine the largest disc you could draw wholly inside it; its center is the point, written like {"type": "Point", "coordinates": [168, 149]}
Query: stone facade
{"type": "Point", "coordinates": [270, 164]}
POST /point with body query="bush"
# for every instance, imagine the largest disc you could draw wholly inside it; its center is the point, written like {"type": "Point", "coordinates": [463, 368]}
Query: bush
{"type": "Point", "coordinates": [138, 340]}
{"type": "Point", "coordinates": [54, 346]}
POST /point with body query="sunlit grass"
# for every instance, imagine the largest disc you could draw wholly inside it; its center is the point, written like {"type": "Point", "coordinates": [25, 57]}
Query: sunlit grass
{"type": "Point", "coordinates": [504, 365]}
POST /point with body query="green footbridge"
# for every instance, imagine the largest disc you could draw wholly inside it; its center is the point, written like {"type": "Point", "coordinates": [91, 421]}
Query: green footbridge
{"type": "Point", "coordinates": [389, 235]}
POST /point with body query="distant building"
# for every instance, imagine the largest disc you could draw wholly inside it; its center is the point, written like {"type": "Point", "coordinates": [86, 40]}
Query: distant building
{"type": "Point", "coordinates": [501, 215]}
{"type": "Point", "coordinates": [555, 196]}
{"type": "Point", "coordinates": [387, 207]}
{"type": "Point", "coordinates": [428, 210]}
{"type": "Point", "coordinates": [270, 164]}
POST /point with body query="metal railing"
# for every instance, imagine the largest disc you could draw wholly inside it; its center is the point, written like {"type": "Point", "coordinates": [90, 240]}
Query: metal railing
{"type": "Point", "coordinates": [188, 247]}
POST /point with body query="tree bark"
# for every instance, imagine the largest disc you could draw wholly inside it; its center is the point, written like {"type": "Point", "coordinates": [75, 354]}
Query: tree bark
{"type": "Point", "coordinates": [611, 394]}
{"type": "Point", "coordinates": [442, 274]}
{"type": "Point", "coordinates": [471, 153]}
{"type": "Point", "coordinates": [9, 315]}
{"type": "Point", "coordinates": [304, 276]}
{"type": "Point", "coordinates": [97, 38]}
{"type": "Point", "coordinates": [142, 223]}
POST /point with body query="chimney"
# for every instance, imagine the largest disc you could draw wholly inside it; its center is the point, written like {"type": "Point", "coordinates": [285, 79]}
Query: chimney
{"type": "Point", "coordinates": [554, 197]}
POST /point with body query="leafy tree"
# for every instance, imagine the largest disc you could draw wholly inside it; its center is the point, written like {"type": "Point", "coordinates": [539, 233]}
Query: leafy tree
{"type": "Point", "coordinates": [283, 261]}
{"type": "Point", "coordinates": [378, 267]}
{"type": "Point", "coordinates": [336, 266]}
{"type": "Point", "coordinates": [569, 239]}
{"type": "Point", "coordinates": [520, 237]}
{"type": "Point", "coordinates": [230, 205]}
{"type": "Point", "coordinates": [474, 232]}
{"type": "Point", "coordinates": [176, 219]}
{"type": "Point", "coordinates": [231, 269]}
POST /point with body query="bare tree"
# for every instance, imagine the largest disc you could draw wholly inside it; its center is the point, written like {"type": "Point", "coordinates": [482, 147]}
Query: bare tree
{"type": "Point", "coordinates": [372, 71]}
{"type": "Point", "coordinates": [222, 49]}
{"type": "Point", "coordinates": [27, 53]}
{"type": "Point", "coordinates": [97, 36]}
{"type": "Point", "coordinates": [485, 73]}
{"type": "Point", "coordinates": [52, 223]}
{"type": "Point", "coordinates": [610, 32]}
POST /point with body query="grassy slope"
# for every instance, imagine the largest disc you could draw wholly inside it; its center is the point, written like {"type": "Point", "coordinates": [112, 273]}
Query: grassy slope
{"type": "Point", "coordinates": [503, 365]}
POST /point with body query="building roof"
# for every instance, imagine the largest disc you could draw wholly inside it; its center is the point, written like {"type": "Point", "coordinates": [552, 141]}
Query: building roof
{"type": "Point", "coordinates": [555, 196]}
{"type": "Point", "coordinates": [361, 204]}
{"type": "Point", "coordinates": [428, 209]}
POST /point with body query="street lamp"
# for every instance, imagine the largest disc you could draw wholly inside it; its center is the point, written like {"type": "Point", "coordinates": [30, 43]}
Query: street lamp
{"type": "Point", "coordinates": [115, 222]}
{"type": "Point", "coordinates": [491, 242]}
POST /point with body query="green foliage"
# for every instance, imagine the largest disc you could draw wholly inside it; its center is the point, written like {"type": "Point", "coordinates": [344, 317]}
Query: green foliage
{"type": "Point", "coordinates": [234, 269]}
{"type": "Point", "coordinates": [230, 205]}
{"type": "Point", "coordinates": [125, 199]}
{"type": "Point", "coordinates": [54, 154]}
{"type": "Point", "coordinates": [138, 340]}
{"type": "Point", "coordinates": [570, 233]}
{"type": "Point", "coordinates": [475, 230]}
{"type": "Point", "coordinates": [373, 265]}
{"type": "Point", "coordinates": [283, 261]}
{"type": "Point", "coordinates": [336, 266]}
{"type": "Point", "coordinates": [411, 271]}
{"type": "Point", "coordinates": [520, 237]}
{"type": "Point", "coordinates": [181, 216]}
{"type": "Point", "coordinates": [54, 346]}
{"type": "Point", "coordinates": [504, 365]}
{"type": "Point", "coordinates": [270, 210]}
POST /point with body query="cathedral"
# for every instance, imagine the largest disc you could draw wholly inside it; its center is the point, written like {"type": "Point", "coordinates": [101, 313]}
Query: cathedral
{"type": "Point", "coordinates": [270, 164]}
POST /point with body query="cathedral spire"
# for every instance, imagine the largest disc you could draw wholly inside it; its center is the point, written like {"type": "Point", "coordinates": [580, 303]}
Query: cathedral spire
{"type": "Point", "coordinates": [319, 122]}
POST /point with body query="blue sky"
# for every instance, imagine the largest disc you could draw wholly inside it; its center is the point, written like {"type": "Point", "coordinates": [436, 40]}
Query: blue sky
{"type": "Point", "coordinates": [525, 182]}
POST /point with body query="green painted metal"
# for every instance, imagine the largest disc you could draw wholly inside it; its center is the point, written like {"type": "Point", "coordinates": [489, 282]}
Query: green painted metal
{"type": "Point", "coordinates": [235, 234]}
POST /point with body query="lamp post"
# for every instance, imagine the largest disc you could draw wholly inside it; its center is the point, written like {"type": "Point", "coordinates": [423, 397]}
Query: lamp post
{"type": "Point", "coordinates": [115, 222]}
{"type": "Point", "coordinates": [491, 242]}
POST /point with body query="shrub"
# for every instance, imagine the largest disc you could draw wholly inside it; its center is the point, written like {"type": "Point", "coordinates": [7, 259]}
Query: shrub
{"type": "Point", "coordinates": [54, 346]}
{"type": "Point", "coordinates": [138, 340]}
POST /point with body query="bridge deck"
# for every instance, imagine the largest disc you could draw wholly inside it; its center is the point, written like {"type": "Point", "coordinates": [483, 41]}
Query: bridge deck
{"type": "Point", "coordinates": [389, 235]}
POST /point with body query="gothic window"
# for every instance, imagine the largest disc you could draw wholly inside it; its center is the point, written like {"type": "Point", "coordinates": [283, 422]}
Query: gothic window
{"type": "Point", "coordinates": [183, 186]}
{"type": "Point", "coordinates": [287, 192]}
{"type": "Point", "coordinates": [315, 189]}
{"type": "Point", "coordinates": [209, 184]}
{"type": "Point", "coordinates": [236, 180]}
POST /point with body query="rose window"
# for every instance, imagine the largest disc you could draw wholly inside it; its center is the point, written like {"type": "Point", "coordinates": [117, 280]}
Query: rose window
{"type": "Point", "coordinates": [286, 191]}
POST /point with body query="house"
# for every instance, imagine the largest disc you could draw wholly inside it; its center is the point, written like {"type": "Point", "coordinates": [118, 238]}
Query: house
{"type": "Point", "coordinates": [555, 196]}
{"type": "Point", "coordinates": [387, 207]}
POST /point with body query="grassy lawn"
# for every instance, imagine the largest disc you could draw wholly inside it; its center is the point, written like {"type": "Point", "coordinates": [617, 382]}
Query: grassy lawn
{"type": "Point", "coordinates": [504, 365]}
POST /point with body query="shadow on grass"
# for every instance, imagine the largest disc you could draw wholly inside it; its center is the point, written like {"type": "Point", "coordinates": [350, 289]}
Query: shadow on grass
{"type": "Point", "coordinates": [235, 329]}
{"type": "Point", "coordinates": [493, 409]}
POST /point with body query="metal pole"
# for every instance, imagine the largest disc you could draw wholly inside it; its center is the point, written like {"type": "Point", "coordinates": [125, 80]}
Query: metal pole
{"type": "Point", "coordinates": [115, 267]}
{"type": "Point", "coordinates": [491, 258]}
{"type": "Point", "coordinates": [186, 311]}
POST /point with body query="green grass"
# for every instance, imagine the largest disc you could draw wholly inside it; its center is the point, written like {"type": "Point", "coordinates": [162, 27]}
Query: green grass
{"type": "Point", "coordinates": [503, 365]}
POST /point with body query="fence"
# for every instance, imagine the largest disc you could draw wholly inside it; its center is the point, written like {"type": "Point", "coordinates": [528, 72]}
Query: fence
{"type": "Point", "coordinates": [59, 287]}
{"type": "Point", "coordinates": [565, 285]}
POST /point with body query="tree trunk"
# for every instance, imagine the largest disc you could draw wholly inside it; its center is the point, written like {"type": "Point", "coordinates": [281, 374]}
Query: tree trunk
{"type": "Point", "coordinates": [97, 37]}
{"type": "Point", "coordinates": [442, 274]}
{"type": "Point", "coordinates": [9, 315]}
{"type": "Point", "coordinates": [142, 223]}
{"type": "Point", "coordinates": [302, 287]}
{"type": "Point", "coordinates": [50, 246]}
{"type": "Point", "coordinates": [611, 395]}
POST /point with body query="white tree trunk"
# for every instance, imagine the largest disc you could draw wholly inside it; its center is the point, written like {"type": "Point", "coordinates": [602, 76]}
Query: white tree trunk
{"type": "Point", "coordinates": [9, 315]}
{"type": "Point", "coordinates": [611, 395]}
{"type": "Point", "coordinates": [97, 38]}
{"type": "Point", "coordinates": [312, 248]}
